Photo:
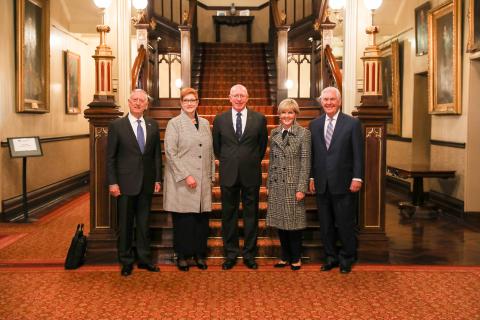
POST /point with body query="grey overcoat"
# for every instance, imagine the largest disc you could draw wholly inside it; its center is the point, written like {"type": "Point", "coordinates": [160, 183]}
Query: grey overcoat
{"type": "Point", "coordinates": [288, 173]}
{"type": "Point", "coordinates": [188, 151]}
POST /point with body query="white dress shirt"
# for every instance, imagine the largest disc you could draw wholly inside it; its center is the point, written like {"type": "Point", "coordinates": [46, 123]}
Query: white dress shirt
{"type": "Point", "coordinates": [334, 122]}
{"type": "Point", "coordinates": [134, 124]}
{"type": "Point", "coordinates": [244, 119]}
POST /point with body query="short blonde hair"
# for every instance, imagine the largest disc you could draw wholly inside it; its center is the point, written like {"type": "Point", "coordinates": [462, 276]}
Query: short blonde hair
{"type": "Point", "coordinates": [288, 104]}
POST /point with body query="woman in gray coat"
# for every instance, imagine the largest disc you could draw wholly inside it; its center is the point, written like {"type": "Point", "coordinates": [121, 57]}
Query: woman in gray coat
{"type": "Point", "coordinates": [288, 175]}
{"type": "Point", "coordinates": [187, 188]}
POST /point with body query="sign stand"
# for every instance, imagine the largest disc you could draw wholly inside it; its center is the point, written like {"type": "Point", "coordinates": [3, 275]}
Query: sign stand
{"type": "Point", "coordinates": [22, 148]}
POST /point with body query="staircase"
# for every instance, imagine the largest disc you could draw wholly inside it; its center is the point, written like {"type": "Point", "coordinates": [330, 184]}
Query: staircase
{"type": "Point", "coordinates": [216, 68]}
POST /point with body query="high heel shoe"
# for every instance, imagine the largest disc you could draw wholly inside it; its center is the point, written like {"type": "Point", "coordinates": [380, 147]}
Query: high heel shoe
{"type": "Point", "coordinates": [296, 266]}
{"type": "Point", "coordinates": [281, 264]}
{"type": "Point", "coordinates": [182, 265]}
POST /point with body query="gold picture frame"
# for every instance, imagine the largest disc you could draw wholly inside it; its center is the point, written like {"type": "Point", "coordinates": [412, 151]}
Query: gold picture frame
{"type": "Point", "coordinates": [32, 56]}
{"type": "Point", "coordinates": [421, 29]}
{"type": "Point", "coordinates": [391, 86]}
{"type": "Point", "coordinates": [72, 83]}
{"type": "Point", "coordinates": [473, 26]}
{"type": "Point", "coordinates": [445, 59]}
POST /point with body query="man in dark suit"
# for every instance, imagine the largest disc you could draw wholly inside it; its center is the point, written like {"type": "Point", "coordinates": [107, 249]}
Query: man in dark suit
{"type": "Point", "coordinates": [337, 171]}
{"type": "Point", "coordinates": [239, 141]}
{"type": "Point", "coordinates": [134, 165]}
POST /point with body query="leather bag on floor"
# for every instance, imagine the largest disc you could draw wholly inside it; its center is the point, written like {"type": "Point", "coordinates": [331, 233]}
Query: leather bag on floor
{"type": "Point", "coordinates": [76, 252]}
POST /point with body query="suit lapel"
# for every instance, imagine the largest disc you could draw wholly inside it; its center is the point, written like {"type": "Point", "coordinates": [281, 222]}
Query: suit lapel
{"type": "Point", "coordinates": [230, 129]}
{"type": "Point", "coordinates": [149, 133]}
{"type": "Point", "coordinates": [322, 130]}
{"type": "Point", "coordinates": [338, 128]}
{"type": "Point", "coordinates": [130, 134]}
{"type": "Point", "coordinates": [277, 137]}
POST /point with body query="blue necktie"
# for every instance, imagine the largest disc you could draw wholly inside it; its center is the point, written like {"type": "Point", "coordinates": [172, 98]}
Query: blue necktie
{"type": "Point", "coordinates": [140, 136]}
{"type": "Point", "coordinates": [238, 126]}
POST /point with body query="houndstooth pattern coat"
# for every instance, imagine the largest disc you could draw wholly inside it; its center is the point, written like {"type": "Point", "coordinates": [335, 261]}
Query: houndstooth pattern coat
{"type": "Point", "coordinates": [288, 173]}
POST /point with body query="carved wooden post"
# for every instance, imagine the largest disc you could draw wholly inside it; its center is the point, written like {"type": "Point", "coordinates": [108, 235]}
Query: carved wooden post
{"type": "Point", "coordinates": [374, 114]}
{"type": "Point", "coordinates": [102, 110]}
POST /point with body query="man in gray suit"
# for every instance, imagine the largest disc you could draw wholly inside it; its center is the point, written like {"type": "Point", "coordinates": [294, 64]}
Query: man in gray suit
{"type": "Point", "coordinates": [134, 164]}
{"type": "Point", "coordinates": [337, 171]}
{"type": "Point", "coordinates": [239, 142]}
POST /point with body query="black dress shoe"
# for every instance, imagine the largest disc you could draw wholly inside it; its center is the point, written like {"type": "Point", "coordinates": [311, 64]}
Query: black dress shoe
{"type": "Point", "coordinates": [149, 267]}
{"type": "Point", "coordinates": [329, 266]}
{"type": "Point", "coordinates": [281, 264]}
{"type": "Point", "coordinates": [345, 269]}
{"type": "Point", "coordinates": [228, 264]}
{"type": "Point", "coordinates": [182, 265]}
{"type": "Point", "coordinates": [201, 264]}
{"type": "Point", "coordinates": [250, 263]}
{"type": "Point", "coordinates": [126, 270]}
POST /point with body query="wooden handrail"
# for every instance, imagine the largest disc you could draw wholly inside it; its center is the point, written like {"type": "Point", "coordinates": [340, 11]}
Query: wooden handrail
{"type": "Point", "coordinates": [333, 66]}
{"type": "Point", "coordinates": [277, 19]}
{"type": "Point", "coordinates": [137, 67]}
{"type": "Point", "coordinates": [191, 12]}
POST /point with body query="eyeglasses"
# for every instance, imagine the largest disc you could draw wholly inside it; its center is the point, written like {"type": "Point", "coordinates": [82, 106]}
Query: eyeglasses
{"type": "Point", "coordinates": [238, 96]}
{"type": "Point", "coordinates": [190, 101]}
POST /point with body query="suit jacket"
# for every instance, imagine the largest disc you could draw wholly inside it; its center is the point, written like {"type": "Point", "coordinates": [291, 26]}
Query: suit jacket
{"type": "Point", "coordinates": [133, 171]}
{"type": "Point", "coordinates": [343, 161]}
{"type": "Point", "coordinates": [240, 159]}
{"type": "Point", "coordinates": [188, 152]}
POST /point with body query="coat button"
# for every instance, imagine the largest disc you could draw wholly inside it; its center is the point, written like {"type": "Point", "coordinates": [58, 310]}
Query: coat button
{"type": "Point", "coordinates": [200, 157]}
{"type": "Point", "coordinates": [200, 145]}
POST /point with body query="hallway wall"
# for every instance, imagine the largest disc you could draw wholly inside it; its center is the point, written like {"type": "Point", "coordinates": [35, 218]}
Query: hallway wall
{"type": "Point", "coordinates": [444, 128]}
{"type": "Point", "coordinates": [63, 158]}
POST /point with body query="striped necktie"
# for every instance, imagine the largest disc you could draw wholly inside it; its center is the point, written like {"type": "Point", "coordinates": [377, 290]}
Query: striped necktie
{"type": "Point", "coordinates": [329, 133]}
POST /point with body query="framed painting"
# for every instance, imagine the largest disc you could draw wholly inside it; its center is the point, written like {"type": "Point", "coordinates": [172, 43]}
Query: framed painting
{"type": "Point", "coordinates": [391, 85]}
{"type": "Point", "coordinates": [32, 56]}
{"type": "Point", "coordinates": [473, 26]}
{"type": "Point", "coordinates": [72, 82]}
{"type": "Point", "coordinates": [421, 28]}
{"type": "Point", "coordinates": [444, 59]}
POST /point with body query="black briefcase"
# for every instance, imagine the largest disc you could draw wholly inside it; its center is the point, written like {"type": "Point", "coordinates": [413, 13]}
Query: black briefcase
{"type": "Point", "coordinates": [76, 252]}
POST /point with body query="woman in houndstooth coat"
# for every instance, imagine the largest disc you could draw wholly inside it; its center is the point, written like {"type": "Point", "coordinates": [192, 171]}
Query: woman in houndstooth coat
{"type": "Point", "coordinates": [288, 176]}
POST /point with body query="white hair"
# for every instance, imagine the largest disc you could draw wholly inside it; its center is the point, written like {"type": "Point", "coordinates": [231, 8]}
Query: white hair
{"type": "Point", "coordinates": [327, 89]}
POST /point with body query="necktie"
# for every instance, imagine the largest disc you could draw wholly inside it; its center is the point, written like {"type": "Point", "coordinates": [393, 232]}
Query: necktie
{"type": "Point", "coordinates": [284, 134]}
{"type": "Point", "coordinates": [329, 133]}
{"type": "Point", "coordinates": [140, 136]}
{"type": "Point", "coordinates": [238, 126]}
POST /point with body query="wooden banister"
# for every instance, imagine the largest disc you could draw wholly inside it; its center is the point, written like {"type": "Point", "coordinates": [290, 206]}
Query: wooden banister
{"type": "Point", "coordinates": [137, 68]}
{"type": "Point", "coordinates": [334, 69]}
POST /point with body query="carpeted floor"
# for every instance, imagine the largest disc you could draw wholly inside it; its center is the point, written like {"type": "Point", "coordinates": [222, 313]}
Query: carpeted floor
{"type": "Point", "coordinates": [33, 285]}
{"type": "Point", "coordinates": [41, 241]}
{"type": "Point", "coordinates": [377, 292]}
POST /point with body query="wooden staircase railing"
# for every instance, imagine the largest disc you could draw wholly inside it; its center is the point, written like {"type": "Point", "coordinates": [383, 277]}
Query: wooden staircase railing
{"type": "Point", "coordinates": [332, 75]}
{"type": "Point", "coordinates": [138, 78]}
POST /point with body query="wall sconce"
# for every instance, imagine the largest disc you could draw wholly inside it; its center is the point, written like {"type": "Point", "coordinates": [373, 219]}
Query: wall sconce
{"type": "Point", "coordinates": [288, 84]}
{"type": "Point", "coordinates": [140, 6]}
{"type": "Point", "coordinates": [372, 64]}
{"type": "Point", "coordinates": [178, 83]}
{"type": "Point", "coordinates": [336, 7]}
